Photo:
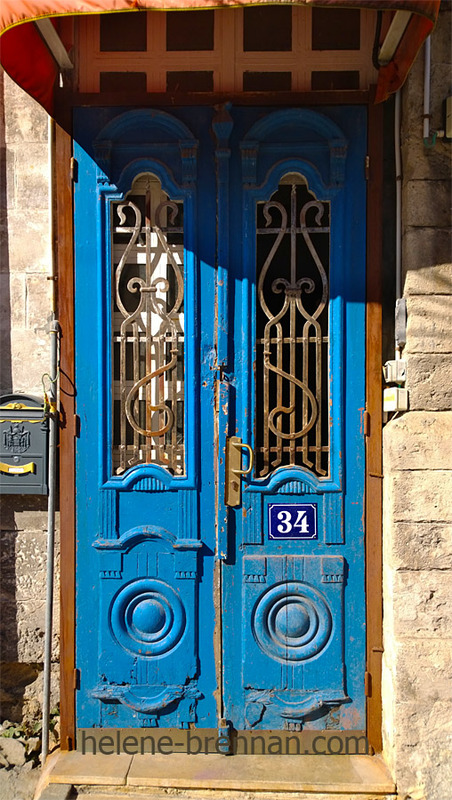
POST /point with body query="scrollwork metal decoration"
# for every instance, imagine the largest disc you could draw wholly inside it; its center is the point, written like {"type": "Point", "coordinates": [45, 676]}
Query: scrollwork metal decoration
{"type": "Point", "coordinates": [292, 330]}
{"type": "Point", "coordinates": [148, 330]}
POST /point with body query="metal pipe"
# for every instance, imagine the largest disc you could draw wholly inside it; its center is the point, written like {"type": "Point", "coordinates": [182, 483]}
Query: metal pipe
{"type": "Point", "coordinates": [51, 160]}
{"type": "Point", "coordinates": [427, 70]}
{"type": "Point", "coordinates": [53, 433]}
{"type": "Point", "coordinates": [398, 178]}
{"type": "Point", "coordinates": [52, 466]}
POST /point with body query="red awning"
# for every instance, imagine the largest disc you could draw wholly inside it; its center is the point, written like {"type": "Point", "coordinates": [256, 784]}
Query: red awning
{"type": "Point", "coordinates": [27, 60]}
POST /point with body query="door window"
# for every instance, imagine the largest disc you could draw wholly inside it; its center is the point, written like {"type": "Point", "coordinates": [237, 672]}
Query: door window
{"type": "Point", "coordinates": [292, 330]}
{"type": "Point", "coordinates": [148, 329]}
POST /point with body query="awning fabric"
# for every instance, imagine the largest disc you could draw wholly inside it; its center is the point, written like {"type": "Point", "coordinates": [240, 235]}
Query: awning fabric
{"type": "Point", "coordinates": [27, 60]}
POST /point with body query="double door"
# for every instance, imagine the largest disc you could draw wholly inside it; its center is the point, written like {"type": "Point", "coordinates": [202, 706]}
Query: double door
{"type": "Point", "coordinates": [220, 308]}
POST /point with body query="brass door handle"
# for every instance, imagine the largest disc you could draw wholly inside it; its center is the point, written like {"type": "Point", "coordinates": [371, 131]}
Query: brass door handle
{"type": "Point", "coordinates": [234, 471]}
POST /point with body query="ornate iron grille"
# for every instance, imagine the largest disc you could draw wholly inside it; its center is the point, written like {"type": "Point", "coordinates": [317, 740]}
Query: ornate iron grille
{"type": "Point", "coordinates": [292, 424]}
{"type": "Point", "coordinates": [148, 329]}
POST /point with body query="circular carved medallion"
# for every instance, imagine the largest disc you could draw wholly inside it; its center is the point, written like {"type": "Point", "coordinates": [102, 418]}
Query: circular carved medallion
{"type": "Point", "coordinates": [147, 617]}
{"type": "Point", "coordinates": [292, 622]}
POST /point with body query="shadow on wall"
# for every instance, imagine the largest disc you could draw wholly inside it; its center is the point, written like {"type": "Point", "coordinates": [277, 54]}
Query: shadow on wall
{"type": "Point", "coordinates": [22, 564]}
{"type": "Point", "coordinates": [5, 301]}
{"type": "Point", "coordinates": [14, 676]}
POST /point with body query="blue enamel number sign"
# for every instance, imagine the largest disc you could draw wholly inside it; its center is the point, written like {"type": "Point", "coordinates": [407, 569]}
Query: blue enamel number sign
{"type": "Point", "coordinates": [292, 521]}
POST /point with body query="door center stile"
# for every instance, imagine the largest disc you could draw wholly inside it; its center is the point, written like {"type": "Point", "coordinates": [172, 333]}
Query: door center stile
{"type": "Point", "coordinates": [222, 125]}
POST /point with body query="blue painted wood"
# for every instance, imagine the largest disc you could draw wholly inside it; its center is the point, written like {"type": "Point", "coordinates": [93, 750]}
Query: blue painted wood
{"type": "Point", "coordinates": [290, 676]}
{"type": "Point", "coordinates": [292, 610]}
{"type": "Point", "coordinates": [145, 619]}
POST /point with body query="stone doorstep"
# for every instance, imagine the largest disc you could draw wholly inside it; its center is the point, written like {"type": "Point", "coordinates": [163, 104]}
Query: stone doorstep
{"type": "Point", "coordinates": [213, 795]}
{"type": "Point", "coordinates": [360, 776]}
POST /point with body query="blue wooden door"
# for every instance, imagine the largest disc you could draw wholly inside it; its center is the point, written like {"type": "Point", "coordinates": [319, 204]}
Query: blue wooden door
{"type": "Point", "coordinates": [293, 548]}
{"type": "Point", "coordinates": [220, 318]}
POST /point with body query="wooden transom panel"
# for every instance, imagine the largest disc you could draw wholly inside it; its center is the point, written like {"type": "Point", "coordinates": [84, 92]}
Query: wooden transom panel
{"type": "Point", "coordinates": [286, 48]}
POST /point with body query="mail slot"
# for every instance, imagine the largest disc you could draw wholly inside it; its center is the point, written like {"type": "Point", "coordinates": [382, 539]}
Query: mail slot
{"type": "Point", "coordinates": [23, 445]}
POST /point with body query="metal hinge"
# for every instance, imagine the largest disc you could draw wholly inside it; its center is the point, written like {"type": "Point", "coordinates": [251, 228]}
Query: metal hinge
{"type": "Point", "coordinates": [367, 684]}
{"type": "Point", "coordinates": [366, 423]}
{"type": "Point", "coordinates": [76, 679]}
{"type": "Point", "coordinates": [74, 170]}
{"type": "Point", "coordinates": [76, 426]}
{"type": "Point", "coordinates": [367, 167]}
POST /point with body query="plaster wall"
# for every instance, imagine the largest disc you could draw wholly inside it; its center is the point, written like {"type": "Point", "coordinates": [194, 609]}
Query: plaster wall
{"type": "Point", "coordinates": [417, 664]}
{"type": "Point", "coordinates": [24, 350]}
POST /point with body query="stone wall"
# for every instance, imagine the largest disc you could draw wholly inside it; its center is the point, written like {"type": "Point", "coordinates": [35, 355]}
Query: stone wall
{"type": "Point", "coordinates": [24, 347]}
{"type": "Point", "coordinates": [417, 676]}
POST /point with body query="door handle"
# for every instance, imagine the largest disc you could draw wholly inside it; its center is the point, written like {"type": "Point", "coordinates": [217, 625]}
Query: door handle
{"type": "Point", "coordinates": [234, 471]}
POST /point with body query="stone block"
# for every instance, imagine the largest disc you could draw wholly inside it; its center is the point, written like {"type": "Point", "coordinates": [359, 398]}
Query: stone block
{"type": "Point", "coordinates": [22, 631]}
{"type": "Point", "coordinates": [5, 360]}
{"type": "Point", "coordinates": [31, 176]}
{"type": "Point", "coordinates": [23, 512]}
{"type": "Point", "coordinates": [417, 496]}
{"type": "Point", "coordinates": [419, 545]}
{"type": "Point", "coordinates": [10, 162]}
{"type": "Point", "coordinates": [423, 671]}
{"type": "Point", "coordinates": [30, 566]}
{"type": "Point", "coordinates": [427, 203]}
{"type": "Point", "coordinates": [30, 354]}
{"type": "Point", "coordinates": [30, 627]}
{"type": "Point", "coordinates": [38, 307]}
{"type": "Point", "coordinates": [429, 381]}
{"type": "Point", "coordinates": [28, 242]}
{"type": "Point", "coordinates": [429, 324]}
{"type": "Point", "coordinates": [441, 52]}
{"type": "Point", "coordinates": [418, 440]}
{"type": "Point", "coordinates": [12, 299]}
{"type": "Point", "coordinates": [427, 254]}
{"type": "Point", "coordinates": [422, 163]}
{"type": "Point", "coordinates": [25, 119]}
{"type": "Point", "coordinates": [33, 692]}
{"type": "Point", "coordinates": [413, 91]}
{"type": "Point", "coordinates": [423, 608]}
{"type": "Point", "coordinates": [22, 691]}
{"type": "Point", "coordinates": [422, 749]}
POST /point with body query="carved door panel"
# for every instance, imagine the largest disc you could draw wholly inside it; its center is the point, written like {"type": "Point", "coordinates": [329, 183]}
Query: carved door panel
{"type": "Point", "coordinates": [293, 549]}
{"type": "Point", "coordinates": [145, 541]}
{"type": "Point", "coordinates": [220, 294]}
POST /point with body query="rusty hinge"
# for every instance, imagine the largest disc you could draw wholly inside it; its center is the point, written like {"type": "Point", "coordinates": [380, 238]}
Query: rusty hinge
{"type": "Point", "coordinates": [367, 167]}
{"type": "Point", "coordinates": [366, 423]}
{"type": "Point", "coordinates": [76, 679]}
{"type": "Point", "coordinates": [73, 171]}
{"type": "Point", "coordinates": [367, 684]}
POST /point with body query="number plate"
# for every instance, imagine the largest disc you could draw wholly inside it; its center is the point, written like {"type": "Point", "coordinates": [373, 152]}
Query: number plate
{"type": "Point", "coordinates": [292, 521]}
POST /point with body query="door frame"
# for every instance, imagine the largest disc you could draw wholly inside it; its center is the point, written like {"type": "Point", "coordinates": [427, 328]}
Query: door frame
{"type": "Point", "coordinates": [62, 181]}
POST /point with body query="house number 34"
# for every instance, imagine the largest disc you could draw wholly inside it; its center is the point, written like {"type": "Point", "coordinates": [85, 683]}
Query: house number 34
{"type": "Point", "coordinates": [292, 521]}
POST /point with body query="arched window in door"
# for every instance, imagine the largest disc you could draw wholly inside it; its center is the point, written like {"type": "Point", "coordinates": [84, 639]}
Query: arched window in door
{"type": "Point", "coordinates": [148, 328]}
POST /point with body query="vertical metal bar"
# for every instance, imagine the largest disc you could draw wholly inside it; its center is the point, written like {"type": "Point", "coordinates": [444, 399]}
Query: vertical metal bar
{"type": "Point", "coordinates": [136, 376]}
{"type": "Point", "coordinates": [304, 418]}
{"type": "Point", "coordinates": [148, 338]}
{"type": "Point", "coordinates": [266, 378]}
{"type": "Point", "coordinates": [123, 392]}
{"type": "Point", "coordinates": [53, 434]}
{"type": "Point", "coordinates": [293, 314]}
{"type": "Point", "coordinates": [279, 362]}
{"type": "Point", "coordinates": [318, 396]}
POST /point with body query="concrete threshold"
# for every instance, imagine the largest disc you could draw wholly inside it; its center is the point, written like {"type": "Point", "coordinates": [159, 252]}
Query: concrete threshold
{"type": "Point", "coordinates": [227, 777]}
